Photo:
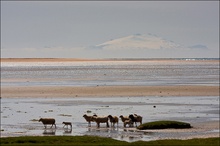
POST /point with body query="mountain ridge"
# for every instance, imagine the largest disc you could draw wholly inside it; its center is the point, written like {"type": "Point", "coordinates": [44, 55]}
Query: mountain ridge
{"type": "Point", "coordinates": [139, 41]}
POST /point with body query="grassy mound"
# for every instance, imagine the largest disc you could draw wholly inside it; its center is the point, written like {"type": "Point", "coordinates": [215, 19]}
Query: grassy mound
{"type": "Point", "coordinates": [164, 125]}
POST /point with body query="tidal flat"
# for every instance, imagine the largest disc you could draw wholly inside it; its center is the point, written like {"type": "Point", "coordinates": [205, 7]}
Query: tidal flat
{"type": "Point", "coordinates": [19, 116]}
{"type": "Point", "coordinates": [168, 89]}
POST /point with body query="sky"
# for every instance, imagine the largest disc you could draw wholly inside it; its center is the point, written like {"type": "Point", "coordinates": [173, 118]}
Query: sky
{"type": "Point", "coordinates": [69, 29]}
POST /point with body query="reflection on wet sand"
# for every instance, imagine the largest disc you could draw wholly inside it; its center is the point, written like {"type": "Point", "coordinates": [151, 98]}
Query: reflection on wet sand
{"type": "Point", "coordinates": [67, 131]}
{"type": "Point", "coordinates": [107, 130]}
{"type": "Point", "coordinates": [103, 131]}
{"type": "Point", "coordinates": [127, 134]}
{"type": "Point", "coordinates": [130, 137]}
{"type": "Point", "coordinates": [49, 132]}
{"type": "Point", "coordinates": [131, 134]}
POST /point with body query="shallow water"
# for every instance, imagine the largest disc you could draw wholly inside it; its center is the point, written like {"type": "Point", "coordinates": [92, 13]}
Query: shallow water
{"type": "Point", "coordinates": [109, 73]}
{"type": "Point", "coordinates": [19, 115]}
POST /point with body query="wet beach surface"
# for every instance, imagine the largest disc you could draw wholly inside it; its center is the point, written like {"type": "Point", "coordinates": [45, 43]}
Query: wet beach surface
{"type": "Point", "coordinates": [19, 116]}
{"type": "Point", "coordinates": [110, 73]}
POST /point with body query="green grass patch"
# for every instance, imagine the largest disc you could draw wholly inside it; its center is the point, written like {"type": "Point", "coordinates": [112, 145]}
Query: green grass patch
{"type": "Point", "coordinates": [164, 125]}
{"type": "Point", "coordinates": [59, 140]}
{"type": "Point", "coordinates": [97, 141]}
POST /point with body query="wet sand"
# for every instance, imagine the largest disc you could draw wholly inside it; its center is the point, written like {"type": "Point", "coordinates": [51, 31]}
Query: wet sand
{"type": "Point", "coordinates": [20, 116]}
{"type": "Point", "coordinates": [108, 91]}
{"type": "Point", "coordinates": [202, 128]}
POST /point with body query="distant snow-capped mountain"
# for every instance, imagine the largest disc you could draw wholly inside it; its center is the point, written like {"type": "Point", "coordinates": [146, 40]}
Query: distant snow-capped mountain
{"type": "Point", "coordinates": [139, 41]}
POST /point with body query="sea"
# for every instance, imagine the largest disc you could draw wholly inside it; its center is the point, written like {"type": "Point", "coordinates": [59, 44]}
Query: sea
{"type": "Point", "coordinates": [148, 72]}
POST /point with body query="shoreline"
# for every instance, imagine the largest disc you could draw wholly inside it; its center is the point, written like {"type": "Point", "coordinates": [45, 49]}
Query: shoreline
{"type": "Point", "coordinates": [107, 91]}
{"type": "Point", "coordinates": [200, 130]}
{"type": "Point", "coordinates": [107, 59]}
{"type": "Point", "coordinates": [46, 59]}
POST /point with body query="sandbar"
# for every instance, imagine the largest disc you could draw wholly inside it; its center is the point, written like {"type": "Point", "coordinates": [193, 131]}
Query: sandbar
{"type": "Point", "coordinates": [108, 91]}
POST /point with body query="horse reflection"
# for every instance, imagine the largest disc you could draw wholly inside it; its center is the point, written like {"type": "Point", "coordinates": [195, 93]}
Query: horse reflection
{"type": "Point", "coordinates": [103, 130]}
{"type": "Point", "coordinates": [67, 131]}
{"type": "Point", "coordinates": [49, 132]}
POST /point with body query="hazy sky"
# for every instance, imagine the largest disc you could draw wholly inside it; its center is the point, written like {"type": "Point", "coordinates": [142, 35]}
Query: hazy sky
{"type": "Point", "coordinates": [66, 29]}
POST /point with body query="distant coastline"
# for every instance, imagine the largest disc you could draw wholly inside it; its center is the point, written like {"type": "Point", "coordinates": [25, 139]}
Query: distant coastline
{"type": "Point", "coordinates": [104, 59]}
{"type": "Point", "coordinates": [163, 59]}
